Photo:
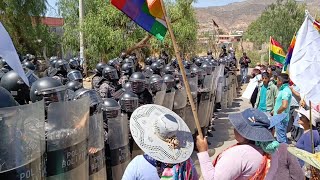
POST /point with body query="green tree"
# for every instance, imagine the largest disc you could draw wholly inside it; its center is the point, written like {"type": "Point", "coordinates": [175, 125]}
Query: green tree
{"type": "Point", "coordinates": [280, 20]}
{"type": "Point", "coordinates": [108, 31]}
{"type": "Point", "coordinates": [185, 26]}
{"type": "Point", "coordinates": [22, 21]}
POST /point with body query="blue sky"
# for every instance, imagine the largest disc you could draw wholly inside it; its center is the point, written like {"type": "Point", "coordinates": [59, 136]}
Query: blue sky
{"type": "Point", "coordinates": [52, 9]}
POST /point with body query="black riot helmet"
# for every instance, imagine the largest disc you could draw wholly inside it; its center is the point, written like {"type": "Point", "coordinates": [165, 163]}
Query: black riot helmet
{"type": "Point", "coordinates": [75, 75]}
{"type": "Point", "coordinates": [174, 63]}
{"type": "Point", "coordinates": [161, 61]}
{"type": "Point", "coordinates": [49, 89]}
{"type": "Point", "coordinates": [29, 65]}
{"type": "Point", "coordinates": [74, 85]}
{"type": "Point", "coordinates": [127, 86]}
{"type": "Point", "coordinates": [169, 81]}
{"type": "Point", "coordinates": [4, 64]}
{"type": "Point", "coordinates": [99, 67]}
{"type": "Point", "coordinates": [156, 67]}
{"type": "Point", "coordinates": [74, 63]}
{"type": "Point", "coordinates": [127, 69]}
{"type": "Point", "coordinates": [110, 73]}
{"type": "Point", "coordinates": [14, 84]}
{"type": "Point", "coordinates": [110, 108]}
{"type": "Point", "coordinates": [62, 65]}
{"type": "Point", "coordinates": [156, 83]}
{"type": "Point", "coordinates": [187, 64]}
{"type": "Point", "coordinates": [196, 71]}
{"type": "Point", "coordinates": [53, 63]}
{"type": "Point", "coordinates": [128, 60]}
{"type": "Point", "coordinates": [114, 63]}
{"type": "Point", "coordinates": [95, 99]}
{"type": "Point", "coordinates": [168, 69]}
{"type": "Point", "coordinates": [207, 67]}
{"type": "Point", "coordinates": [147, 71]}
{"type": "Point", "coordinates": [7, 99]}
{"type": "Point", "coordinates": [148, 61]}
{"type": "Point", "coordinates": [138, 82]}
{"type": "Point", "coordinates": [198, 62]}
{"type": "Point", "coordinates": [129, 101]}
{"type": "Point", "coordinates": [153, 59]}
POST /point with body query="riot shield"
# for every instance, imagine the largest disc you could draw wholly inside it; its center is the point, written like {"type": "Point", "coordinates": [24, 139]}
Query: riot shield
{"type": "Point", "coordinates": [230, 91]}
{"type": "Point", "coordinates": [189, 118]}
{"type": "Point", "coordinates": [220, 85]}
{"type": "Point", "coordinates": [169, 99]}
{"type": "Point", "coordinates": [180, 102]}
{"type": "Point", "coordinates": [204, 103]}
{"type": "Point", "coordinates": [97, 168]}
{"type": "Point", "coordinates": [224, 97]}
{"type": "Point", "coordinates": [118, 153]}
{"type": "Point", "coordinates": [67, 140]}
{"type": "Point", "coordinates": [159, 97]}
{"type": "Point", "coordinates": [22, 143]}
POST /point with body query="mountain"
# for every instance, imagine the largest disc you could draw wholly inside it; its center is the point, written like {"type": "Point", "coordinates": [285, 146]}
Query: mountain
{"type": "Point", "coordinates": [239, 15]}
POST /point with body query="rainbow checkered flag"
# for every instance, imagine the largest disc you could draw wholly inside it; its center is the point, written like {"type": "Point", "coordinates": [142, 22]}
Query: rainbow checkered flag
{"type": "Point", "coordinates": [148, 14]}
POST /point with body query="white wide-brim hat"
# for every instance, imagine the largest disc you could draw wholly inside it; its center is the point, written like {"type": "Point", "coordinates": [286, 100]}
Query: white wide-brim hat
{"type": "Point", "coordinates": [152, 125]}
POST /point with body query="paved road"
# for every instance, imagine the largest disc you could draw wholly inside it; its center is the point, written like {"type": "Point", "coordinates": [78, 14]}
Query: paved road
{"type": "Point", "coordinates": [223, 137]}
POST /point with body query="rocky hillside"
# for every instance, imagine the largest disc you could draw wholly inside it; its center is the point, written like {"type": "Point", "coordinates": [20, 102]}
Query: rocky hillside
{"type": "Point", "coordinates": [238, 16]}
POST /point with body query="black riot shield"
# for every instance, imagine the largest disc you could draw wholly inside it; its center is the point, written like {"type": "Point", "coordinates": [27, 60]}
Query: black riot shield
{"type": "Point", "coordinates": [220, 86]}
{"type": "Point", "coordinates": [213, 94]}
{"type": "Point", "coordinates": [22, 144]}
{"type": "Point", "coordinates": [97, 166]}
{"type": "Point", "coordinates": [189, 119]}
{"type": "Point", "coordinates": [118, 156]}
{"type": "Point", "coordinates": [67, 140]}
{"type": "Point", "coordinates": [180, 102]}
{"type": "Point", "coordinates": [168, 99]}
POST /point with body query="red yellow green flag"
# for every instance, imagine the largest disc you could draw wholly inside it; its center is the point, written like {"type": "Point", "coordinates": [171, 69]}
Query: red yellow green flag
{"type": "Point", "coordinates": [276, 52]}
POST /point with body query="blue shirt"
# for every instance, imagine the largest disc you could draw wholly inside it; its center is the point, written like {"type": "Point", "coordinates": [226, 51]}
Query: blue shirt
{"type": "Point", "coordinates": [284, 94]}
{"type": "Point", "coordinates": [140, 168]}
{"type": "Point", "coordinates": [304, 142]}
{"type": "Point", "coordinates": [263, 99]}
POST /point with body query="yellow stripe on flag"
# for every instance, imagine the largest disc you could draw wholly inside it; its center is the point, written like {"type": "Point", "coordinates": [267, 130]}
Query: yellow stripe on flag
{"type": "Point", "coordinates": [277, 50]}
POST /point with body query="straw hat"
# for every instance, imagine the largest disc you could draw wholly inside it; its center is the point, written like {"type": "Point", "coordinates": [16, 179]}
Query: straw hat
{"type": "Point", "coordinates": [161, 134]}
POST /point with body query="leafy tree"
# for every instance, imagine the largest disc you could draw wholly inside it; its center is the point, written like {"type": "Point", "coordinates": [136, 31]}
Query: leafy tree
{"type": "Point", "coordinates": [108, 31]}
{"type": "Point", "coordinates": [21, 18]}
{"type": "Point", "coordinates": [280, 20]}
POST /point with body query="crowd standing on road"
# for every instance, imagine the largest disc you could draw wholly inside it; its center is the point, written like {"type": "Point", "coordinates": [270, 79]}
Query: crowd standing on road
{"type": "Point", "coordinates": [136, 121]}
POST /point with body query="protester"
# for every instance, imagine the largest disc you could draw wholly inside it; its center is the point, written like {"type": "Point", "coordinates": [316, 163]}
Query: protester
{"type": "Point", "coordinates": [304, 142]}
{"type": "Point", "coordinates": [296, 131]}
{"type": "Point", "coordinates": [249, 158]}
{"type": "Point", "coordinates": [267, 94]}
{"type": "Point", "coordinates": [244, 64]}
{"type": "Point", "coordinates": [283, 164]}
{"type": "Point", "coordinates": [167, 142]}
{"type": "Point", "coordinates": [282, 105]}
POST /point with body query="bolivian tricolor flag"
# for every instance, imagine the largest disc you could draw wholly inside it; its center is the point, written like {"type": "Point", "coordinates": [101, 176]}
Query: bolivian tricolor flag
{"type": "Point", "coordinates": [148, 14]}
{"type": "Point", "coordinates": [276, 52]}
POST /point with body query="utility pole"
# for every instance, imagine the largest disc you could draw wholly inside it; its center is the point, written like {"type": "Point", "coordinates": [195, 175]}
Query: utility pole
{"type": "Point", "coordinates": [82, 57]}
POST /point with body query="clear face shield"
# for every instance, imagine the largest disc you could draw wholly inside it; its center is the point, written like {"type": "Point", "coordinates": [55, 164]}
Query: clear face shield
{"type": "Point", "coordinates": [129, 104]}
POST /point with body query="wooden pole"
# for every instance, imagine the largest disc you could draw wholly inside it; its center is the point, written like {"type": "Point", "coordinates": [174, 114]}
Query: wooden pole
{"type": "Point", "coordinates": [312, 141]}
{"type": "Point", "coordinates": [270, 51]}
{"type": "Point", "coordinates": [183, 72]}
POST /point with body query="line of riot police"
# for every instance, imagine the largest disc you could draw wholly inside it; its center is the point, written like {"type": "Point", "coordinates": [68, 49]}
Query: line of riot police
{"type": "Point", "coordinates": [70, 132]}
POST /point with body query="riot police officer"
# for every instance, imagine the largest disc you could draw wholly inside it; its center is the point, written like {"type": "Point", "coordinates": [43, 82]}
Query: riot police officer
{"type": "Point", "coordinates": [75, 75]}
{"type": "Point", "coordinates": [110, 82]}
{"type": "Point", "coordinates": [15, 85]}
{"type": "Point", "coordinates": [126, 71]}
{"type": "Point", "coordinates": [96, 79]}
{"type": "Point", "coordinates": [157, 68]}
{"type": "Point", "coordinates": [116, 132]}
{"type": "Point", "coordinates": [75, 64]}
{"type": "Point", "coordinates": [138, 86]}
{"type": "Point", "coordinates": [62, 68]}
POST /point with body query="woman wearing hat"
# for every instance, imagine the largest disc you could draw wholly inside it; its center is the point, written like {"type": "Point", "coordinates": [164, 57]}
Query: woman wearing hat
{"type": "Point", "coordinates": [167, 143]}
{"type": "Point", "coordinates": [250, 157]}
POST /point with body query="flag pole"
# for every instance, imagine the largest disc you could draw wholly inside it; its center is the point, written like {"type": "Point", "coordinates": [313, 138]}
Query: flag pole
{"type": "Point", "coordinates": [269, 51]}
{"type": "Point", "coordinates": [312, 140]}
{"type": "Point", "coordinates": [183, 72]}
